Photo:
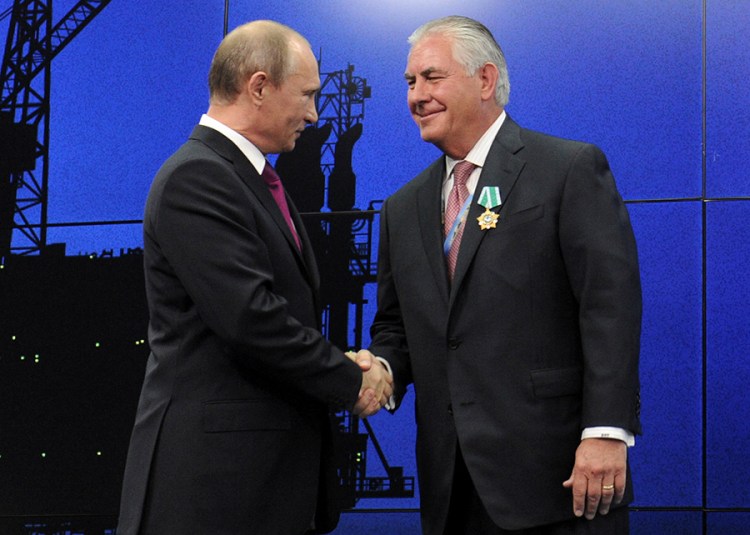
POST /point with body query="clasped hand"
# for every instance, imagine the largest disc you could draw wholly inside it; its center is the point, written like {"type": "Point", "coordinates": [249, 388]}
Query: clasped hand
{"type": "Point", "coordinates": [377, 383]}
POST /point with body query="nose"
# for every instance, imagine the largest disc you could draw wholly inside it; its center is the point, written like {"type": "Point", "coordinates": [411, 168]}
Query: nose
{"type": "Point", "coordinates": [418, 93]}
{"type": "Point", "coordinates": [311, 117]}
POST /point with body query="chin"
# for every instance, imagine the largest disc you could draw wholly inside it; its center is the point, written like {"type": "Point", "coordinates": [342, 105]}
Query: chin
{"type": "Point", "coordinates": [288, 147]}
{"type": "Point", "coordinates": [428, 136]}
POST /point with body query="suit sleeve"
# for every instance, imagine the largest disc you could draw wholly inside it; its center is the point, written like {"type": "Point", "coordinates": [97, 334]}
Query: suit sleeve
{"type": "Point", "coordinates": [206, 223]}
{"type": "Point", "coordinates": [599, 250]}
{"type": "Point", "coordinates": [387, 331]}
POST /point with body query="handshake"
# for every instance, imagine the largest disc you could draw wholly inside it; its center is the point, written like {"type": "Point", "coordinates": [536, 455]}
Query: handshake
{"type": "Point", "coordinates": [377, 383]}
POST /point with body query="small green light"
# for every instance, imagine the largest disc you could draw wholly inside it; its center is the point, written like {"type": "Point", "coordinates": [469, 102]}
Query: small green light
{"type": "Point", "coordinates": [44, 455]}
{"type": "Point", "coordinates": [23, 357]}
{"type": "Point", "coordinates": [97, 344]}
{"type": "Point", "coordinates": [98, 454]}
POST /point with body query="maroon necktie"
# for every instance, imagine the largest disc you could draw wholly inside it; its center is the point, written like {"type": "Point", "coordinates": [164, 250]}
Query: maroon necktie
{"type": "Point", "coordinates": [456, 199]}
{"type": "Point", "coordinates": [277, 190]}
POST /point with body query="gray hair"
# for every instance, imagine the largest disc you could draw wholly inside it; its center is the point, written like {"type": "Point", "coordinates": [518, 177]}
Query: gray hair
{"type": "Point", "coordinates": [473, 46]}
{"type": "Point", "coordinates": [261, 45]}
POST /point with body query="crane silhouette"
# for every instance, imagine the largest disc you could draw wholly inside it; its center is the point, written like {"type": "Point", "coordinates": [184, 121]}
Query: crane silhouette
{"type": "Point", "coordinates": [32, 43]}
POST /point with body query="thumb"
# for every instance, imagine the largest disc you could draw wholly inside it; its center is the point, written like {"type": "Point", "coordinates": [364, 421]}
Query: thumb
{"type": "Point", "coordinates": [364, 359]}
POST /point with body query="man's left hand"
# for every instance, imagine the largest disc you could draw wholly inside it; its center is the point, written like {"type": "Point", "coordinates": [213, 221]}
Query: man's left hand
{"type": "Point", "coordinates": [599, 476]}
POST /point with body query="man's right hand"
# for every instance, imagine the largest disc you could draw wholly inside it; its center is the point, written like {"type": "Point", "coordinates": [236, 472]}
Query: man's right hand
{"type": "Point", "coordinates": [377, 384]}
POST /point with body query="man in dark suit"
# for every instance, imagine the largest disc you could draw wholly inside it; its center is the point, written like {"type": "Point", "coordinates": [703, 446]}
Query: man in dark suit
{"type": "Point", "coordinates": [523, 347]}
{"type": "Point", "coordinates": [232, 434]}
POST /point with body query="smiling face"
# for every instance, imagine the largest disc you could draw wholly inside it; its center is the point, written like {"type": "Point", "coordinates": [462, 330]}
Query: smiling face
{"type": "Point", "coordinates": [289, 107]}
{"type": "Point", "coordinates": [451, 107]}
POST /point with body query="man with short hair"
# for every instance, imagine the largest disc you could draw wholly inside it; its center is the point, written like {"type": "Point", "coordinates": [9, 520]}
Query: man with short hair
{"type": "Point", "coordinates": [509, 295]}
{"type": "Point", "coordinates": [232, 433]}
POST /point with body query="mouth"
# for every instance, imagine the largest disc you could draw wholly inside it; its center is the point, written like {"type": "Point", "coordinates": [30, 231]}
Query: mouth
{"type": "Point", "coordinates": [424, 117]}
{"type": "Point", "coordinates": [426, 113]}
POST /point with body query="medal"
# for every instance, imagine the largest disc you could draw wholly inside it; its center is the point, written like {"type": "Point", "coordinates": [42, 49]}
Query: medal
{"type": "Point", "coordinates": [489, 198]}
{"type": "Point", "coordinates": [488, 220]}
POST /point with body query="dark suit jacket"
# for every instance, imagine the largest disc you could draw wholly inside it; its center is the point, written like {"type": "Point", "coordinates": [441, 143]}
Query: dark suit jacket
{"type": "Point", "coordinates": [537, 338]}
{"type": "Point", "coordinates": [232, 432]}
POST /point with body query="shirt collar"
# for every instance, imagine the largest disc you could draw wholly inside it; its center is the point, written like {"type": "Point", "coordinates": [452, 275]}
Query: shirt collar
{"type": "Point", "coordinates": [251, 152]}
{"type": "Point", "coordinates": [478, 153]}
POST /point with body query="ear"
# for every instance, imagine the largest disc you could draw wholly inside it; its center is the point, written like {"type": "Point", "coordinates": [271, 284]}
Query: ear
{"type": "Point", "coordinates": [489, 75]}
{"type": "Point", "coordinates": [257, 86]}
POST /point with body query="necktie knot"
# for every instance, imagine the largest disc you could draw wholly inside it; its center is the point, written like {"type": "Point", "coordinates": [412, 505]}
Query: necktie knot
{"type": "Point", "coordinates": [462, 171]}
{"type": "Point", "coordinates": [273, 181]}
{"type": "Point", "coordinates": [269, 175]}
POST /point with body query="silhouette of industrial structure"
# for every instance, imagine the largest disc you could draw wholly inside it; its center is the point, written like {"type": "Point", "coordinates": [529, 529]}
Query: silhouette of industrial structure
{"type": "Point", "coordinates": [318, 175]}
{"type": "Point", "coordinates": [33, 42]}
{"type": "Point", "coordinates": [73, 348]}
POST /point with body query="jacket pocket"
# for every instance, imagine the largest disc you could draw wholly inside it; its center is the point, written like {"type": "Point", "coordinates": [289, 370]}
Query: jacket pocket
{"type": "Point", "coordinates": [519, 218]}
{"type": "Point", "coordinates": [557, 382]}
{"type": "Point", "coordinates": [245, 415]}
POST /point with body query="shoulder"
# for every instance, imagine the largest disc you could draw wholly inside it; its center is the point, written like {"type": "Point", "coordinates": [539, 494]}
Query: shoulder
{"type": "Point", "coordinates": [516, 138]}
{"type": "Point", "coordinates": [550, 153]}
{"type": "Point", "coordinates": [541, 142]}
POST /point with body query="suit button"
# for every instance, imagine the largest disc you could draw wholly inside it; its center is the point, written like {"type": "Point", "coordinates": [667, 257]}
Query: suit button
{"type": "Point", "coordinates": [453, 344]}
{"type": "Point", "coordinates": [450, 409]}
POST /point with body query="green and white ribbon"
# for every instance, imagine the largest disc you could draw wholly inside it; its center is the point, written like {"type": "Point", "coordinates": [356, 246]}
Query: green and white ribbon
{"type": "Point", "coordinates": [490, 197]}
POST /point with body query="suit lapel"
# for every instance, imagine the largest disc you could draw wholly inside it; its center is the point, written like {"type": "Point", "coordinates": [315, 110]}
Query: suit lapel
{"type": "Point", "coordinates": [429, 208]}
{"type": "Point", "coordinates": [501, 169]}
{"type": "Point", "coordinates": [307, 254]}
{"type": "Point", "coordinates": [229, 151]}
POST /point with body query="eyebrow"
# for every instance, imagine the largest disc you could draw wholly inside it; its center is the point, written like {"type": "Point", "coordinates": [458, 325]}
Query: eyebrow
{"type": "Point", "coordinates": [426, 72]}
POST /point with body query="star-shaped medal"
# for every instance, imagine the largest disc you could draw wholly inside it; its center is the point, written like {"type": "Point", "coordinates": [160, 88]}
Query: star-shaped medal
{"type": "Point", "coordinates": [488, 219]}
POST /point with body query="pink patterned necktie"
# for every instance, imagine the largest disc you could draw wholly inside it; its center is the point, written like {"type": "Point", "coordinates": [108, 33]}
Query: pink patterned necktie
{"type": "Point", "coordinates": [456, 199]}
{"type": "Point", "coordinates": [277, 190]}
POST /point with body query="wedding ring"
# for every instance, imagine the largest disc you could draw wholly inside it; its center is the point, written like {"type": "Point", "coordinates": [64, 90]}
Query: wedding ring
{"type": "Point", "coordinates": [607, 487]}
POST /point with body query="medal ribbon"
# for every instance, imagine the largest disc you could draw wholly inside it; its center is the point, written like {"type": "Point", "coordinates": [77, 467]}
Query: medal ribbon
{"type": "Point", "coordinates": [490, 197]}
{"type": "Point", "coordinates": [454, 229]}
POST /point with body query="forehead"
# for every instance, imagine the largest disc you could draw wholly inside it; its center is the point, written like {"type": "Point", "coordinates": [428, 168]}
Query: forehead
{"type": "Point", "coordinates": [305, 73]}
{"type": "Point", "coordinates": [433, 53]}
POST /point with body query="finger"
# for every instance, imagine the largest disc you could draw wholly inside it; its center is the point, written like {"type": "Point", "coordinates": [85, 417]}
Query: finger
{"type": "Point", "coordinates": [608, 494]}
{"type": "Point", "coordinates": [371, 409]}
{"type": "Point", "coordinates": [593, 497]}
{"type": "Point", "coordinates": [388, 392]}
{"type": "Point", "coordinates": [620, 484]}
{"type": "Point", "coordinates": [578, 486]}
{"type": "Point", "coordinates": [365, 400]}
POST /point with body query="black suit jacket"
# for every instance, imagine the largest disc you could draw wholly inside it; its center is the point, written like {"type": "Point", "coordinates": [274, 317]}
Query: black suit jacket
{"type": "Point", "coordinates": [232, 432]}
{"type": "Point", "coordinates": [536, 338]}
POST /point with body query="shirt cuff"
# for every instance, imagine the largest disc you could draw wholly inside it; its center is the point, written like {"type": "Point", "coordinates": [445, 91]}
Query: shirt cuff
{"type": "Point", "coordinates": [609, 432]}
{"type": "Point", "coordinates": [391, 403]}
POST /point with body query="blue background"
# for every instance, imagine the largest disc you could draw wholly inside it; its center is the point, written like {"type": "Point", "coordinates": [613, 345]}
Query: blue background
{"type": "Point", "coordinates": [660, 86]}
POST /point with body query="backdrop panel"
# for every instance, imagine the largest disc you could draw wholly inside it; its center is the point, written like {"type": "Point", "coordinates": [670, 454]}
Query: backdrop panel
{"type": "Point", "coordinates": [667, 458]}
{"type": "Point", "coordinates": [727, 98]}
{"type": "Point", "coordinates": [728, 340]}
